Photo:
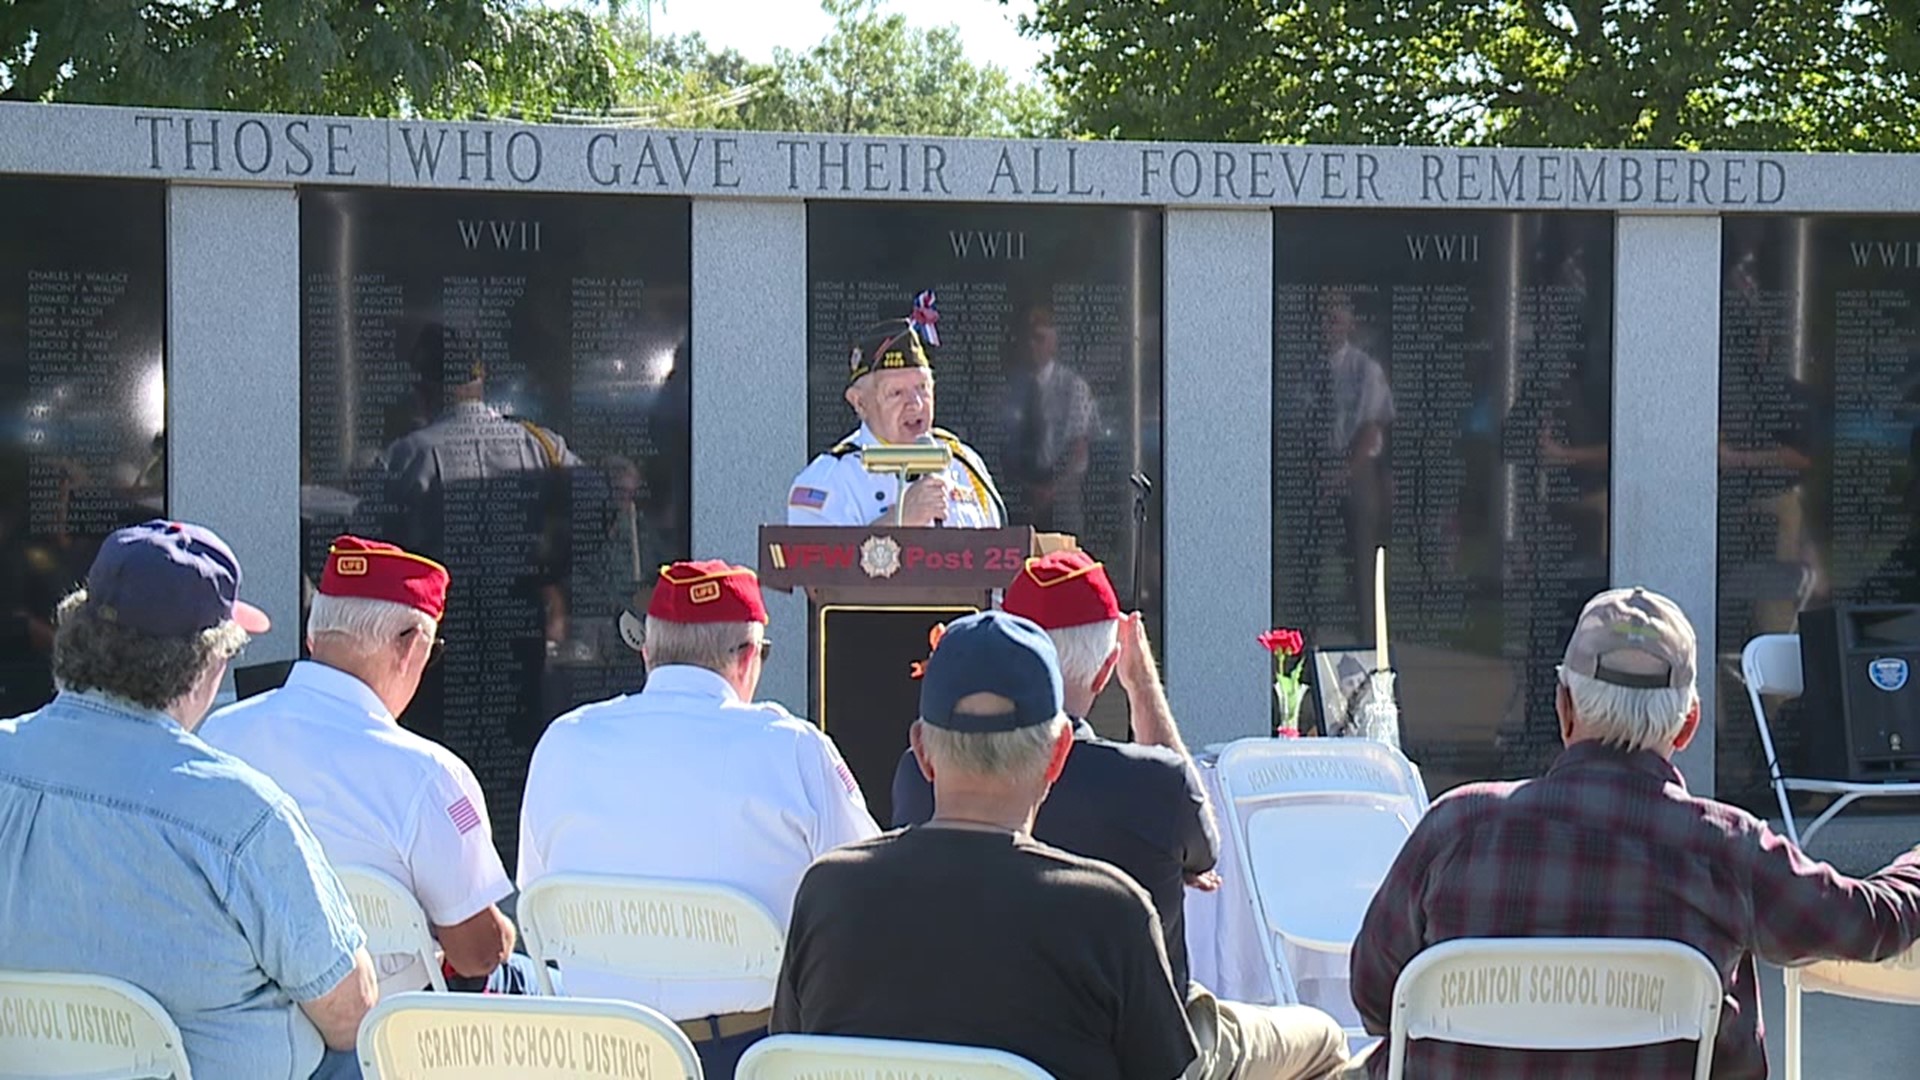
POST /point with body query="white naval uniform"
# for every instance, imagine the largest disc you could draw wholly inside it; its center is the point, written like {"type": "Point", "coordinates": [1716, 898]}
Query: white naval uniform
{"type": "Point", "coordinates": [836, 489]}
{"type": "Point", "coordinates": [685, 780]}
{"type": "Point", "coordinates": [374, 793]}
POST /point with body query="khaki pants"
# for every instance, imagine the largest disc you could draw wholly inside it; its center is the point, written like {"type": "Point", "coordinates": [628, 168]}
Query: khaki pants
{"type": "Point", "coordinates": [1261, 1042]}
{"type": "Point", "coordinates": [1356, 1066]}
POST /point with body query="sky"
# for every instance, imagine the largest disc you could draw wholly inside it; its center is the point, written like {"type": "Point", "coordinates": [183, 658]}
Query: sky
{"type": "Point", "coordinates": [755, 27]}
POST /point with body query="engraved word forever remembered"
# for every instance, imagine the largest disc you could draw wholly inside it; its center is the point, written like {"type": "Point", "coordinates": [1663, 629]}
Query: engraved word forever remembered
{"type": "Point", "coordinates": [294, 149]}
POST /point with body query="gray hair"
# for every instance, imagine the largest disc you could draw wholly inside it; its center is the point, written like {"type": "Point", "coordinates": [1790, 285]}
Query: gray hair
{"type": "Point", "coordinates": [91, 653]}
{"type": "Point", "coordinates": [1629, 717]}
{"type": "Point", "coordinates": [1018, 756]}
{"type": "Point", "coordinates": [1084, 650]}
{"type": "Point", "coordinates": [714, 646]}
{"type": "Point", "coordinates": [365, 626]}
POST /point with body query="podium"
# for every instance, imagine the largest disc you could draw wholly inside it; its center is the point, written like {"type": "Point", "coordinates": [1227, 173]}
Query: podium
{"type": "Point", "coordinates": [875, 595]}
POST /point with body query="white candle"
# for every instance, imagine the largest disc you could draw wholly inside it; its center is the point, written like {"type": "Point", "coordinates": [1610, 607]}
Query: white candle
{"type": "Point", "coordinates": [1380, 609]}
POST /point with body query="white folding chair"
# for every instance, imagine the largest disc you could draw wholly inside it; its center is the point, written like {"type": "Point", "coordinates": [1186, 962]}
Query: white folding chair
{"type": "Point", "coordinates": [1893, 982]}
{"type": "Point", "coordinates": [1259, 768]}
{"type": "Point", "coordinates": [810, 1057]}
{"type": "Point", "coordinates": [650, 928]}
{"type": "Point", "coordinates": [1770, 666]}
{"type": "Point", "coordinates": [1557, 994]}
{"type": "Point", "coordinates": [1317, 824]}
{"type": "Point", "coordinates": [60, 1026]}
{"type": "Point", "coordinates": [394, 922]}
{"type": "Point", "coordinates": [427, 1036]}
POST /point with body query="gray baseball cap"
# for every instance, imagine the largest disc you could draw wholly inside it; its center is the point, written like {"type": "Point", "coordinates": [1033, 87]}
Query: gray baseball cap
{"type": "Point", "coordinates": [1633, 637]}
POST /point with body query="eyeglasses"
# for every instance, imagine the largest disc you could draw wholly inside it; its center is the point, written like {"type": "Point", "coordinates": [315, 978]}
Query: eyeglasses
{"type": "Point", "coordinates": [766, 648]}
{"type": "Point", "coordinates": [435, 649]}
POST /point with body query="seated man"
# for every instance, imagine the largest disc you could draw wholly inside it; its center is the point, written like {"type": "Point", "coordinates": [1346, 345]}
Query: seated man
{"type": "Point", "coordinates": [1610, 844]}
{"type": "Point", "coordinates": [692, 779]}
{"type": "Point", "coordinates": [130, 848]}
{"type": "Point", "coordinates": [1138, 806]}
{"type": "Point", "coordinates": [968, 930]}
{"type": "Point", "coordinates": [377, 794]}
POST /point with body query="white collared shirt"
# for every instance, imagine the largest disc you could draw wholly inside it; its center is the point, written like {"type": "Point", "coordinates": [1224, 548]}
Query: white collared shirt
{"type": "Point", "coordinates": [840, 491]}
{"type": "Point", "coordinates": [374, 793]}
{"type": "Point", "coordinates": [684, 780]}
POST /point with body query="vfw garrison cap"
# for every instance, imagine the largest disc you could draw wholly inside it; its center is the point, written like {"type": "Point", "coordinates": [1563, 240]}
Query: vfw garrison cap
{"type": "Point", "coordinates": [1062, 589]}
{"type": "Point", "coordinates": [708, 591]}
{"type": "Point", "coordinates": [374, 570]}
{"type": "Point", "coordinates": [897, 343]}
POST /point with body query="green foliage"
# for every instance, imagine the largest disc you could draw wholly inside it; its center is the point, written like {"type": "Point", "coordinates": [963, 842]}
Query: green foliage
{"type": "Point", "coordinates": [874, 74]}
{"type": "Point", "coordinates": [352, 57]}
{"type": "Point", "coordinates": [1708, 74]}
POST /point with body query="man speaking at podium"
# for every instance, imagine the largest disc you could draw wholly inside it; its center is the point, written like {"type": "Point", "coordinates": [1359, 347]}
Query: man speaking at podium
{"type": "Point", "coordinates": [890, 386]}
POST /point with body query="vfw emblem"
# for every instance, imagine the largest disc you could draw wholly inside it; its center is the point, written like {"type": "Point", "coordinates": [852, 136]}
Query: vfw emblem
{"type": "Point", "coordinates": [1889, 673]}
{"type": "Point", "coordinates": [880, 556]}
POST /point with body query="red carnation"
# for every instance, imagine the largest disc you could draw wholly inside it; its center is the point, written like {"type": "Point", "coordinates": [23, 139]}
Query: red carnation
{"type": "Point", "coordinates": [1282, 642]}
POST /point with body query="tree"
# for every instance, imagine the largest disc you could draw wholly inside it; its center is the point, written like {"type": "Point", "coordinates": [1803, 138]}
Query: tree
{"type": "Point", "coordinates": [352, 57]}
{"type": "Point", "coordinates": [1710, 74]}
{"type": "Point", "coordinates": [874, 74]}
{"type": "Point", "coordinates": [670, 81]}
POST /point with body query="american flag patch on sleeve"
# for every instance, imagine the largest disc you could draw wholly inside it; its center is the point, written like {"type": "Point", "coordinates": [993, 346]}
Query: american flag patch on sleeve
{"type": "Point", "coordinates": [465, 817]}
{"type": "Point", "coordinates": [846, 776]}
{"type": "Point", "coordinates": [807, 498]}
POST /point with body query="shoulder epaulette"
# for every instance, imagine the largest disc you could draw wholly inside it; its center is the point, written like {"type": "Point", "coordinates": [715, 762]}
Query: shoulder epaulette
{"type": "Point", "coordinates": [844, 449]}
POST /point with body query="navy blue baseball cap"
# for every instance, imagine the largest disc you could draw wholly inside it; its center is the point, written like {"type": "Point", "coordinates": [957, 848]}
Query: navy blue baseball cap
{"type": "Point", "coordinates": [992, 653]}
{"type": "Point", "coordinates": [169, 579]}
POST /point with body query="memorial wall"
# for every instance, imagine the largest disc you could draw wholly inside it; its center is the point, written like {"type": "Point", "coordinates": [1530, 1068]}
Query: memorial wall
{"type": "Point", "coordinates": [1445, 353]}
{"type": "Point", "coordinates": [1819, 448]}
{"type": "Point", "coordinates": [1049, 363]}
{"type": "Point", "coordinates": [1443, 389]}
{"type": "Point", "coordinates": [83, 300]}
{"type": "Point", "coordinates": [500, 382]}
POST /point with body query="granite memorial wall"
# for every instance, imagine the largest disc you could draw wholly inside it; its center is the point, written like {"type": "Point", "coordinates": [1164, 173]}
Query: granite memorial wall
{"type": "Point", "coordinates": [1443, 389]}
{"type": "Point", "coordinates": [500, 382]}
{"type": "Point", "coordinates": [83, 302]}
{"type": "Point", "coordinates": [1049, 363]}
{"type": "Point", "coordinates": [1819, 449]}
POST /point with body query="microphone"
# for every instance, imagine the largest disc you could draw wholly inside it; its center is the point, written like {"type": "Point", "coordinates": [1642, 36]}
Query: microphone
{"type": "Point", "coordinates": [925, 456]}
{"type": "Point", "coordinates": [926, 439]}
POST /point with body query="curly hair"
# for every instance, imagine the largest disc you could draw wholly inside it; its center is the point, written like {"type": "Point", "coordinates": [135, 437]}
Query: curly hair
{"type": "Point", "coordinates": [91, 653]}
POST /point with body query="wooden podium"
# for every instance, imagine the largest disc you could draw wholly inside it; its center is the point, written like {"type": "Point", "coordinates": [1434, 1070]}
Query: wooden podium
{"type": "Point", "coordinates": [875, 593]}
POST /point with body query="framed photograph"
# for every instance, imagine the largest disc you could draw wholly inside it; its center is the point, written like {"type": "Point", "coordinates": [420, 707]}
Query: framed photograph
{"type": "Point", "coordinates": [1340, 684]}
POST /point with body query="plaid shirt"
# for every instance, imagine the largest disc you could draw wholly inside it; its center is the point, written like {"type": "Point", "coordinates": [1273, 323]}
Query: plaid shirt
{"type": "Point", "coordinates": [1610, 844]}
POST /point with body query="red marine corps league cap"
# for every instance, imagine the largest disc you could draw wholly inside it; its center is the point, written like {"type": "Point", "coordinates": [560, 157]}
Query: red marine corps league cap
{"type": "Point", "coordinates": [1062, 589]}
{"type": "Point", "coordinates": [709, 591]}
{"type": "Point", "coordinates": [372, 570]}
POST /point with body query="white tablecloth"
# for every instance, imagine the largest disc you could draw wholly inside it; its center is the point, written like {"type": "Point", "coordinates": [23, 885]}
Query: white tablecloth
{"type": "Point", "coordinates": [1223, 942]}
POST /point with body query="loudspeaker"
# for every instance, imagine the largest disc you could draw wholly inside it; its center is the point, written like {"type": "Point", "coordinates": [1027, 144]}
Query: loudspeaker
{"type": "Point", "coordinates": [1862, 704]}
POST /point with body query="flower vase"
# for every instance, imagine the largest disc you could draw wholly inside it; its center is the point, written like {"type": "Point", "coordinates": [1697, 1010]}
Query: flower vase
{"type": "Point", "coordinates": [1289, 697]}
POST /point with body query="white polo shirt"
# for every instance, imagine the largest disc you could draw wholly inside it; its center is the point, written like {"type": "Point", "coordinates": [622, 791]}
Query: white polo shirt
{"type": "Point", "coordinates": [836, 488]}
{"type": "Point", "coordinates": [684, 780]}
{"type": "Point", "coordinates": [374, 793]}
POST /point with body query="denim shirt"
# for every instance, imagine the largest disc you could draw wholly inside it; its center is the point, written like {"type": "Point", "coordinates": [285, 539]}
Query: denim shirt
{"type": "Point", "coordinates": [132, 849]}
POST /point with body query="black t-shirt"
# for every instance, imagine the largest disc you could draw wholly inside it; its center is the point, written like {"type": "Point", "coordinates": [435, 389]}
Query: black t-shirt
{"type": "Point", "coordinates": [984, 939]}
{"type": "Point", "coordinates": [1137, 807]}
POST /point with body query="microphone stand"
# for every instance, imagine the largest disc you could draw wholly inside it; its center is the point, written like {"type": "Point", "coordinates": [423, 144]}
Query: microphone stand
{"type": "Point", "coordinates": [1142, 488]}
